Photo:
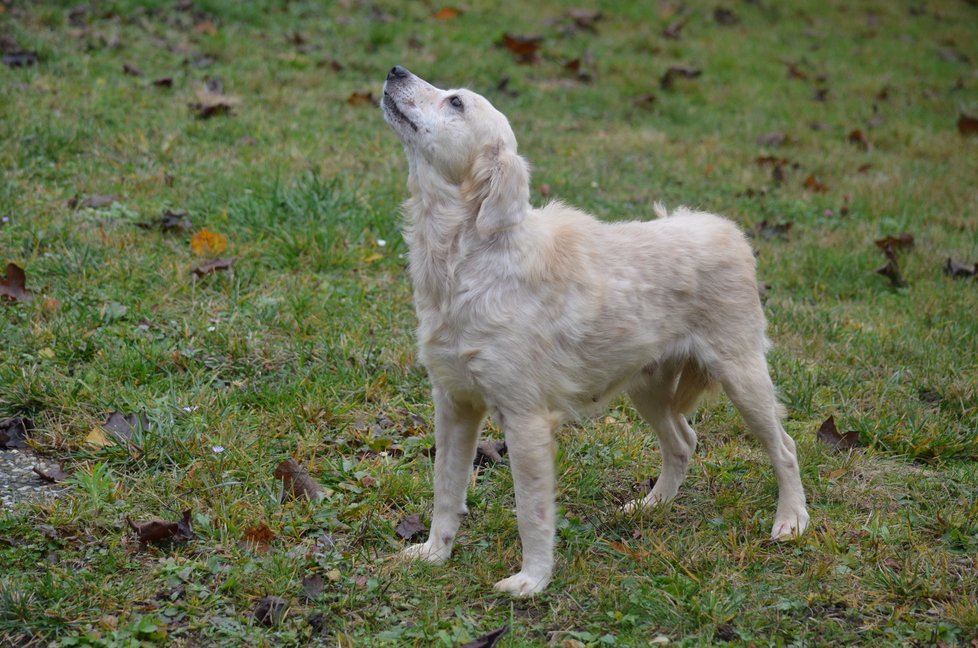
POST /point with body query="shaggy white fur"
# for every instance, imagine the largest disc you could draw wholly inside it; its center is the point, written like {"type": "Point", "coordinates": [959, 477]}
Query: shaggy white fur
{"type": "Point", "coordinates": [537, 315]}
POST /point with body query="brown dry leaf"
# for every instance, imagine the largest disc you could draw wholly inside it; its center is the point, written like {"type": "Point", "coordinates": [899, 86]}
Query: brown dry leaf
{"type": "Point", "coordinates": [211, 104]}
{"type": "Point", "coordinates": [13, 285]}
{"type": "Point", "coordinates": [891, 270]}
{"type": "Point", "coordinates": [489, 452]}
{"type": "Point", "coordinates": [967, 125]}
{"type": "Point", "coordinates": [410, 527]}
{"type": "Point", "coordinates": [361, 99]}
{"type": "Point", "coordinates": [525, 48]}
{"type": "Point", "coordinates": [814, 184]}
{"type": "Point", "coordinates": [163, 82]}
{"type": "Point", "coordinates": [447, 13]}
{"type": "Point", "coordinates": [487, 640]}
{"type": "Point", "coordinates": [14, 432]}
{"type": "Point", "coordinates": [856, 137]}
{"type": "Point", "coordinates": [313, 585]}
{"type": "Point", "coordinates": [297, 483]}
{"type": "Point", "coordinates": [584, 18]}
{"type": "Point", "coordinates": [206, 27]}
{"type": "Point", "coordinates": [954, 270]}
{"type": "Point", "coordinates": [678, 71]}
{"type": "Point", "coordinates": [829, 434]}
{"type": "Point", "coordinates": [795, 71]}
{"type": "Point", "coordinates": [206, 242]}
{"type": "Point", "coordinates": [773, 139]}
{"type": "Point", "coordinates": [634, 554]}
{"type": "Point", "coordinates": [97, 201]}
{"type": "Point", "coordinates": [162, 530]}
{"type": "Point", "coordinates": [768, 231]}
{"type": "Point", "coordinates": [170, 221]}
{"type": "Point", "coordinates": [645, 102]}
{"type": "Point", "coordinates": [215, 265]}
{"type": "Point", "coordinates": [258, 538]}
{"type": "Point", "coordinates": [270, 611]}
{"type": "Point", "coordinates": [724, 16]}
{"type": "Point", "coordinates": [121, 426]}
{"type": "Point", "coordinates": [131, 70]}
{"type": "Point", "coordinates": [899, 242]}
{"type": "Point", "coordinates": [53, 474]}
{"type": "Point", "coordinates": [675, 28]}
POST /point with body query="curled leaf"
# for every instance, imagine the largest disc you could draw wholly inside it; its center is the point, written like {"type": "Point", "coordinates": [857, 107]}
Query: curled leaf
{"type": "Point", "coordinates": [297, 483]}
{"type": "Point", "coordinates": [52, 474]}
{"type": "Point", "coordinates": [898, 242]}
{"type": "Point", "coordinates": [270, 610]}
{"type": "Point", "coordinates": [13, 286]}
{"type": "Point", "coordinates": [678, 71]}
{"type": "Point", "coordinates": [487, 640]}
{"type": "Point", "coordinates": [967, 125]}
{"type": "Point", "coordinates": [956, 270]}
{"type": "Point", "coordinates": [525, 48]}
{"type": "Point", "coordinates": [410, 527]}
{"type": "Point", "coordinates": [158, 531]}
{"type": "Point", "coordinates": [829, 434]}
{"type": "Point", "coordinates": [216, 265]}
{"type": "Point", "coordinates": [14, 432]}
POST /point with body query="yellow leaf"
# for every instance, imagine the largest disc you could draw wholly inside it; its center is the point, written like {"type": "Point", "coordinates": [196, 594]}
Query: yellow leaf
{"type": "Point", "coordinates": [373, 257]}
{"type": "Point", "coordinates": [97, 439]}
{"type": "Point", "coordinates": [208, 242]}
{"type": "Point", "coordinates": [447, 13]}
{"type": "Point", "coordinates": [46, 353]}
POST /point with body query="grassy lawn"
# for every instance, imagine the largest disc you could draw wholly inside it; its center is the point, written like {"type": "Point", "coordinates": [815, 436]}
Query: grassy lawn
{"type": "Point", "coordinates": [304, 347]}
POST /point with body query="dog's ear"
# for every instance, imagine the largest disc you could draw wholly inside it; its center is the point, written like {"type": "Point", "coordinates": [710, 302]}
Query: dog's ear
{"type": "Point", "coordinates": [501, 180]}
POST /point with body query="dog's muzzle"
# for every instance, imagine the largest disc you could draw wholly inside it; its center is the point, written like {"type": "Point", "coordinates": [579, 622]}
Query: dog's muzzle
{"type": "Point", "coordinates": [397, 78]}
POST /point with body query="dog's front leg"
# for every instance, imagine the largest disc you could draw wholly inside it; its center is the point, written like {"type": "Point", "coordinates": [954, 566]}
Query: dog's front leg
{"type": "Point", "coordinates": [456, 433]}
{"type": "Point", "coordinates": [530, 445]}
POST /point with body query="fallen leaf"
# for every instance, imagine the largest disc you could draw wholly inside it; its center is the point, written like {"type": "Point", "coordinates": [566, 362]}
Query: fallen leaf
{"type": "Point", "coordinates": [821, 94]}
{"type": "Point", "coordinates": [270, 611]}
{"type": "Point", "coordinates": [768, 231]}
{"type": "Point", "coordinates": [215, 265]}
{"type": "Point", "coordinates": [487, 640]}
{"type": "Point", "coordinates": [21, 59]}
{"type": "Point", "coordinates": [163, 82]}
{"type": "Point", "coordinates": [523, 47]}
{"type": "Point", "coordinates": [207, 242]}
{"type": "Point", "coordinates": [676, 71]}
{"type": "Point", "coordinates": [98, 201]}
{"type": "Point", "coordinates": [645, 101]}
{"type": "Point", "coordinates": [170, 221]}
{"type": "Point", "coordinates": [724, 16]}
{"type": "Point", "coordinates": [53, 474]}
{"type": "Point", "coordinates": [410, 527]}
{"type": "Point", "coordinates": [157, 531]}
{"type": "Point", "coordinates": [131, 70]}
{"type": "Point", "coordinates": [899, 242]}
{"type": "Point", "coordinates": [856, 137]}
{"type": "Point", "coordinates": [258, 538]}
{"type": "Point", "coordinates": [96, 438]}
{"type": "Point", "coordinates": [675, 28]}
{"type": "Point", "coordinates": [297, 483]}
{"type": "Point", "coordinates": [206, 27]}
{"type": "Point", "coordinates": [14, 432]}
{"type": "Point", "coordinates": [13, 286]}
{"type": "Point", "coordinates": [361, 99]}
{"type": "Point", "coordinates": [813, 184]}
{"type": "Point", "coordinates": [838, 472]}
{"type": "Point", "coordinates": [313, 585]}
{"type": "Point", "coordinates": [967, 125]}
{"type": "Point", "coordinates": [121, 426]}
{"type": "Point", "coordinates": [891, 270]}
{"type": "Point", "coordinates": [489, 452]}
{"type": "Point", "coordinates": [211, 104]}
{"type": "Point", "coordinates": [634, 554]}
{"type": "Point", "coordinates": [863, 168]}
{"type": "Point", "coordinates": [956, 270]}
{"type": "Point", "coordinates": [584, 18]}
{"type": "Point", "coordinates": [772, 139]}
{"type": "Point", "coordinates": [829, 434]}
{"type": "Point", "coordinates": [544, 190]}
{"type": "Point", "coordinates": [447, 13]}
{"type": "Point", "coordinates": [795, 71]}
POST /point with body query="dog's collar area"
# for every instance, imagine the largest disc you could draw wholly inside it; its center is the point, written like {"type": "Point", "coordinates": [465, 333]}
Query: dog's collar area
{"type": "Point", "coordinates": [392, 108]}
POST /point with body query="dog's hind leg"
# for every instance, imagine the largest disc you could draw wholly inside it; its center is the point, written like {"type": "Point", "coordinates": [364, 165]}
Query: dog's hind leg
{"type": "Point", "coordinates": [456, 434]}
{"type": "Point", "coordinates": [661, 397]}
{"type": "Point", "coordinates": [748, 384]}
{"type": "Point", "coordinates": [530, 445]}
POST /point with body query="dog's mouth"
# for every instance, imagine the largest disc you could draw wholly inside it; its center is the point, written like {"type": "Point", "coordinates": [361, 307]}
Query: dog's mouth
{"type": "Point", "coordinates": [390, 107]}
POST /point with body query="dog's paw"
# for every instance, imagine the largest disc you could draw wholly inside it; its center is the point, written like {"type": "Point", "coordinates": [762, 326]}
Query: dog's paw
{"type": "Point", "coordinates": [427, 552]}
{"type": "Point", "coordinates": [637, 506]}
{"type": "Point", "coordinates": [522, 584]}
{"type": "Point", "coordinates": [790, 526]}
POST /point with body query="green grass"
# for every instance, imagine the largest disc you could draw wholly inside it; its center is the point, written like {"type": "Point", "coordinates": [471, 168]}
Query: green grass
{"type": "Point", "coordinates": [306, 348]}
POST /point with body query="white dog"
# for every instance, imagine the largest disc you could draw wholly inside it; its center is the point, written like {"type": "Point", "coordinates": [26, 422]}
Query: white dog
{"type": "Point", "coordinates": [537, 315]}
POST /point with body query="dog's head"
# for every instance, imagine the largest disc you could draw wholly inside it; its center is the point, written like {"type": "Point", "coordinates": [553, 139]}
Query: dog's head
{"type": "Point", "coordinates": [459, 136]}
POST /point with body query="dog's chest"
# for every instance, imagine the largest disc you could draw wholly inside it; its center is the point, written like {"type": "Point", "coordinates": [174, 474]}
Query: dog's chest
{"type": "Point", "coordinates": [444, 350]}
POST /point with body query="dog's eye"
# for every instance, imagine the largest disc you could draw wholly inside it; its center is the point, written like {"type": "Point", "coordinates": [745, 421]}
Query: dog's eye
{"type": "Point", "coordinates": [456, 102]}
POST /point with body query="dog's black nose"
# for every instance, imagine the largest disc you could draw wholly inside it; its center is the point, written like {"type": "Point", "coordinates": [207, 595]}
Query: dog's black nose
{"type": "Point", "coordinates": [397, 72]}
